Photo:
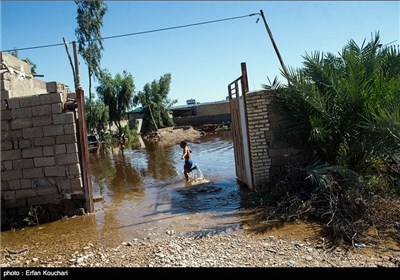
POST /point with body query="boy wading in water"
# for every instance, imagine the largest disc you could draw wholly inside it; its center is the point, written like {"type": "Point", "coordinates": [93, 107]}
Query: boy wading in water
{"type": "Point", "coordinates": [187, 156]}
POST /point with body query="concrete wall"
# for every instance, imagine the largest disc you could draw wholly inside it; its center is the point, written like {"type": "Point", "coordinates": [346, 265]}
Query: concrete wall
{"type": "Point", "coordinates": [17, 79]}
{"type": "Point", "coordinates": [200, 120]}
{"type": "Point", "coordinates": [204, 113]}
{"type": "Point", "coordinates": [114, 129]}
{"type": "Point", "coordinates": [40, 166]}
{"type": "Point", "coordinates": [135, 120]}
{"type": "Point", "coordinates": [184, 112]}
{"type": "Point", "coordinates": [213, 108]}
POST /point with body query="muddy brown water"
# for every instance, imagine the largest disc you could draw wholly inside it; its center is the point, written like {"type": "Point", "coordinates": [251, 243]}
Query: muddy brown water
{"type": "Point", "coordinates": [145, 196]}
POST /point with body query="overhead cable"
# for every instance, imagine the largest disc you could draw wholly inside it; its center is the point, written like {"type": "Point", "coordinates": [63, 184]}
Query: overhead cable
{"type": "Point", "coordinates": [137, 33]}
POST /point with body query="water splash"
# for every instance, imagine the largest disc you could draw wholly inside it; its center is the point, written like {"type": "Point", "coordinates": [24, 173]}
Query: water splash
{"type": "Point", "coordinates": [196, 177]}
{"type": "Point", "coordinates": [179, 174]}
{"type": "Point", "coordinates": [197, 173]}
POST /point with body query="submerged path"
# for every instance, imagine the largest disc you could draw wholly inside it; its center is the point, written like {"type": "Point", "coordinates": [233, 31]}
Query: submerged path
{"type": "Point", "coordinates": [150, 217]}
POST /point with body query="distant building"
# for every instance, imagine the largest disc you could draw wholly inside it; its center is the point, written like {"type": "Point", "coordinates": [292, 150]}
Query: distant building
{"type": "Point", "coordinates": [134, 117]}
{"type": "Point", "coordinates": [191, 101]}
{"type": "Point", "coordinates": [201, 113]}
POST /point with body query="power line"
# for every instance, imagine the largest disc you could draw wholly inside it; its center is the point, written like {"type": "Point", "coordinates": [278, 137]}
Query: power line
{"type": "Point", "coordinates": [390, 43]}
{"type": "Point", "coordinates": [138, 33]}
{"type": "Point", "coordinates": [37, 47]}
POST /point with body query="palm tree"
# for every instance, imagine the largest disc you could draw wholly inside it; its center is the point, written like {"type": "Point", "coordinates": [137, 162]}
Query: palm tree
{"type": "Point", "coordinates": [346, 109]}
{"type": "Point", "coordinates": [347, 106]}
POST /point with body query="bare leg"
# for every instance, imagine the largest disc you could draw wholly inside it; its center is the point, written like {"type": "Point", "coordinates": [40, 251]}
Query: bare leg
{"type": "Point", "coordinates": [186, 175]}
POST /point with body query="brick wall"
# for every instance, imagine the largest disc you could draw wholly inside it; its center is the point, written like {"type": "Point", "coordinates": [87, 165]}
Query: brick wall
{"type": "Point", "coordinates": [258, 126]}
{"type": "Point", "coordinates": [269, 155]}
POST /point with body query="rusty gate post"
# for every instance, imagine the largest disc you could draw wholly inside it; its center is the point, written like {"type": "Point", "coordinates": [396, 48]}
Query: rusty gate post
{"type": "Point", "coordinates": [244, 81]}
{"type": "Point", "coordinates": [83, 146]}
{"type": "Point", "coordinates": [84, 151]}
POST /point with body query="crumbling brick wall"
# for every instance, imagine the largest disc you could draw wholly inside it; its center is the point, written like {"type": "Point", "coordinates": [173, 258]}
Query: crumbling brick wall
{"type": "Point", "coordinates": [40, 166]}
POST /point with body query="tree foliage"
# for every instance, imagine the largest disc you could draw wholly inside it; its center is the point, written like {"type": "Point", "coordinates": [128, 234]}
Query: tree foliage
{"type": "Point", "coordinates": [99, 118]}
{"type": "Point", "coordinates": [346, 109]}
{"type": "Point", "coordinates": [90, 21]}
{"type": "Point", "coordinates": [348, 105]}
{"type": "Point", "coordinates": [88, 32]}
{"type": "Point", "coordinates": [156, 104]}
{"type": "Point", "coordinates": [117, 94]}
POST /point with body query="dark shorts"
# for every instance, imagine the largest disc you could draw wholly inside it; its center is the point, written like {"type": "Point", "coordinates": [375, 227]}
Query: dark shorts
{"type": "Point", "coordinates": [188, 165]}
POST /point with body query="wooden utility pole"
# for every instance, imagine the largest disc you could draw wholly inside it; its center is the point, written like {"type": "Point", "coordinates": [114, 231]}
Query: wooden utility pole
{"type": "Point", "coordinates": [274, 45]}
{"type": "Point", "coordinates": [77, 78]}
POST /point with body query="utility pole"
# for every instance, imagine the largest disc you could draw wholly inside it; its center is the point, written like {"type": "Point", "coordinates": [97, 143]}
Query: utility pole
{"type": "Point", "coordinates": [274, 45]}
{"type": "Point", "coordinates": [77, 78]}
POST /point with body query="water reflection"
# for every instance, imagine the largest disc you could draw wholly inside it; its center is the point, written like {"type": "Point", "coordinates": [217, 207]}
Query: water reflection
{"type": "Point", "coordinates": [160, 162]}
{"type": "Point", "coordinates": [113, 172]}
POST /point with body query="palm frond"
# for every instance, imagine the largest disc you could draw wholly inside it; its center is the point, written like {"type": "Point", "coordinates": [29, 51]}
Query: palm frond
{"type": "Point", "coordinates": [275, 84]}
{"type": "Point", "coordinates": [323, 175]}
{"type": "Point", "coordinates": [383, 130]}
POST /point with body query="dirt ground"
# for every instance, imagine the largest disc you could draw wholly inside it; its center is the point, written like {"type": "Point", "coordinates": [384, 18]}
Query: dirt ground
{"type": "Point", "coordinates": [173, 135]}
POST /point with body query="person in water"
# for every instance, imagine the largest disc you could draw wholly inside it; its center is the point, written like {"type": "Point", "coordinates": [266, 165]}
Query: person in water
{"type": "Point", "coordinates": [187, 156]}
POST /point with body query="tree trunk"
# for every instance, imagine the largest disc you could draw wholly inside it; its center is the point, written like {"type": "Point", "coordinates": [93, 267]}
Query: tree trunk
{"type": "Point", "coordinates": [90, 99]}
{"type": "Point", "coordinates": [152, 118]}
{"type": "Point", "coordinates": [119, 127]}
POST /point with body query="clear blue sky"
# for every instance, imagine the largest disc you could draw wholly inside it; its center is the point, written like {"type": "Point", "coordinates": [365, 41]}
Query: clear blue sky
{"type": "Point", "coordinates": [204, 59]}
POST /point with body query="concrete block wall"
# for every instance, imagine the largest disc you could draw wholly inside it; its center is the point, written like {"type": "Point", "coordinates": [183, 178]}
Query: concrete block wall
{"type": "Point", "coordinates": [39, 158]}
{"type": "Point", "coordinates": [17, 79]}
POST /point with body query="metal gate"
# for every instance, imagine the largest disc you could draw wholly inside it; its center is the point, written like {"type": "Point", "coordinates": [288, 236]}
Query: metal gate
{"type": "Point", "coordinates": [237, 102]}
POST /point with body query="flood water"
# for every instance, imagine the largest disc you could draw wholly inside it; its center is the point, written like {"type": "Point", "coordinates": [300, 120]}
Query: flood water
{"type": "Point", "coordinates": [145, 196]}
{"type": "Point", "coordinates": [145, 192]}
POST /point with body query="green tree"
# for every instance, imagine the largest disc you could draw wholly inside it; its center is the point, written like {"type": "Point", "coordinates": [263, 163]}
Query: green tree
{"type": "Point", "coordinates": [90, 21]}
{"type": "Point", "coordinates": [117, 94]}
{"type": "Point", "coordinates": [99, 118]}
{"type": "Point", "coordinates": [156, 104]}
{"type": "Point", "coordinates": [345, 109]}
{"type": "Point", "coordinates": [343, 102]}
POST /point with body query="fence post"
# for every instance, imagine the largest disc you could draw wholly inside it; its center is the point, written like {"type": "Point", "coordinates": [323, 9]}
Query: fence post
{"type": "Point", "coordinates": [83, 145]}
